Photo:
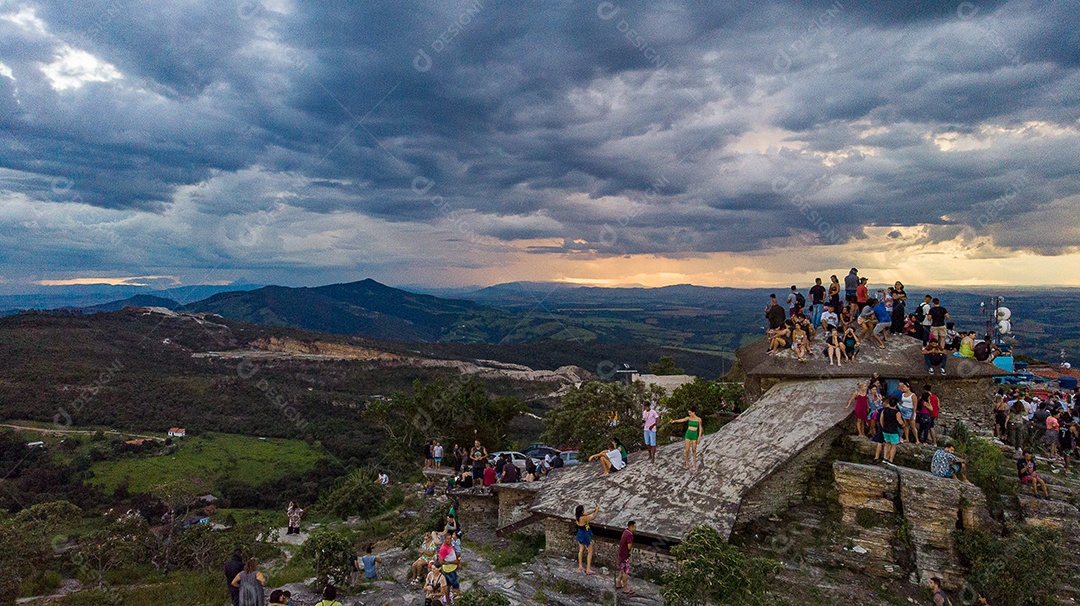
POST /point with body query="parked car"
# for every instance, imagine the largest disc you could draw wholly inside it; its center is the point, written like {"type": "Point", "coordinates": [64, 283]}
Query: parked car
{"type": "Point", "coordinates": [517, 458]}
{"type": "Point", "coordinates": [537, 450]}
{"type": "Point", "coordinates": [569, 457]}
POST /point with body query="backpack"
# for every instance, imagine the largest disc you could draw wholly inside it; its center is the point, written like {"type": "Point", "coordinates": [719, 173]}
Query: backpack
{"type": "Point", "coordinates": [920, 313]}
{"type": "Point", "coordinates": [800, 300]}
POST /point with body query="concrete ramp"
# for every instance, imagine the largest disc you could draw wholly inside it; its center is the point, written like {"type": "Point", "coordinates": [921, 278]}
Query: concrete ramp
{"type": "Point", "coordinates": [667, 501]}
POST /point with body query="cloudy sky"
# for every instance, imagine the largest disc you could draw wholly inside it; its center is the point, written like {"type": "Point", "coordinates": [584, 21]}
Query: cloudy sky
{"type": "Point", "coordinates": [449, 143]}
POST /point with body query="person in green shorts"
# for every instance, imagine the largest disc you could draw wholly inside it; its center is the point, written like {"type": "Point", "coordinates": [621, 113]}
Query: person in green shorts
{"type": "Point", "coordinates": [692, 437]}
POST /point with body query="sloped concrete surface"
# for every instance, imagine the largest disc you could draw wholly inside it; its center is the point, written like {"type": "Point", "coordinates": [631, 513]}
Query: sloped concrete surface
{"type": "Point", "coordinates": [667, 501]}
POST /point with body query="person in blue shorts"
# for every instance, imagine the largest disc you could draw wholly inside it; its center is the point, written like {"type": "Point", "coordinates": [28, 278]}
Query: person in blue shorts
{"type": "Point", "coordinates": [584, 536]}
{"type": "Point", "coordinates": [649, 418]}
{"type": "Point", "coordinates": [890, 428]}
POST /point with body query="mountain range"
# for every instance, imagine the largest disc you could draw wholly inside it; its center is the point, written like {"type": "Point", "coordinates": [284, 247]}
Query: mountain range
{"type": "Point", "coordinates": [707, 321]}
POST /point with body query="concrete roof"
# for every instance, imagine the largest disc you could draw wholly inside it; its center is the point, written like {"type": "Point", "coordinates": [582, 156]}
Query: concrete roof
{"type": "Point", "coordinates": [667, 501]}
{"type": "Point", "coordinates": [902, 357]}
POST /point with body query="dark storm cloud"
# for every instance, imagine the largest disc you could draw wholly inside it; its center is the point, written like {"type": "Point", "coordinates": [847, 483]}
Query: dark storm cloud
{"type": "Point", "coordinates": [618, 127]}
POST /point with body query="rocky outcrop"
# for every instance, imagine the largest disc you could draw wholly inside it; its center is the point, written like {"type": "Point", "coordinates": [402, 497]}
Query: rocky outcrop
{"type": "Point", "coordinates": [900, 514]}
{"type": "Point", "coordinates": [935, 507]}
{"type": "Point", "coordinates": [868, 500]}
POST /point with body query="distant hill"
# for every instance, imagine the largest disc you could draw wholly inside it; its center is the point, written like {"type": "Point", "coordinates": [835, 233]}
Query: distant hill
{"type": "Point", "coordinates": [136, 301]}
{"type": "Point", "coordinates": [366, 307]}
{"type": "Point", "coordinates": [88, 295]}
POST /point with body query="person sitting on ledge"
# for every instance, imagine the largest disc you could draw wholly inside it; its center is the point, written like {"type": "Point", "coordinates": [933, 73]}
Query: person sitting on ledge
{"type": "Point", "coordinates": [611, 459]}
{"type": "Point", "coordinates": [934, 356]}
{"type": "Point", "coordinates": [1025, 468]}
{"type": "Point", "coordinates": [946, 464]}
{"type": "Point", "coordinates": [780, 338]}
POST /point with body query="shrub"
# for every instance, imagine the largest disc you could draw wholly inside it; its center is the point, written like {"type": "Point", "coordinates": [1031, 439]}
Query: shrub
{"type": "Point", "coordinates": [332, 551]}
{"type": "Point", "coordinates": [357, 494]}
{"type": "Point", "coordinates": [1002, 566]}
{"type": "Point", "coordinates": [710, 569]}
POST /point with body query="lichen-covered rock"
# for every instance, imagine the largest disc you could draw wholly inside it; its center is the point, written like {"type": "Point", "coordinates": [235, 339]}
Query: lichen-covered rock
{"type": "Point", "coordinates": [935, 507]}
{"type": "Point", "coordinates": [867, 496]}
{"type": "Point", "coordinates": [1048, 513]}
{"type": "Point", "coordinates": [865, 487]}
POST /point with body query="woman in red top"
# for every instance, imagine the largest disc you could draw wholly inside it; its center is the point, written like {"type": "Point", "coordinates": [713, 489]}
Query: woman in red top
{"type": "Point", "coordinates": [861, 400]}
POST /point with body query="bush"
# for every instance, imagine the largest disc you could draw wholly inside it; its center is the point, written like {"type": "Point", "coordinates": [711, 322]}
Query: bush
{"type": "Point", "coordinates": [710, 569]}
{"type": "Point", "coordinates": [332, 551]}
{"type": "Point", "coordinates": [1021, 568]}
{"type": "Point", "coordinates": [357, 494]}
{"type": "Point", "coordinates": [595, 412]}
{"type": "Point", "coordinates": [983, 457]}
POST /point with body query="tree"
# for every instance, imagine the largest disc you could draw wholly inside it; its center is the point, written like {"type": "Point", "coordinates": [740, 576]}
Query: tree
{"type": "Point", "coordinates": [29, 541]}
{"type": "Point", "coordinates": [356, 494]}
{"type": "Point", "coordinates": [332, 551]}
{"type": "Point", "coordinates": [123, 543]}
{"type": "Point", "coordinates": [710, 569]}
{"type": "Point", "coordinates": [666, 366]}
{"type": "Point", "coordinates": [457, 411]}
{"type": "Point", "coordinates": [590, 415]}
{"type": "Point", "coordinates": [708, 398]}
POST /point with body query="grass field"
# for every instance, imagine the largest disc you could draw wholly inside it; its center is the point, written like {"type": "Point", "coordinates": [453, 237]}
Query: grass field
{"type": "Point", "coordinates": [205, 458]}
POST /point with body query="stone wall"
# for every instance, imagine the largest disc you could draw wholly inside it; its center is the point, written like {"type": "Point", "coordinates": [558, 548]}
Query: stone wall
{"type": "Point", "coordinates": [969, 400]}
{"type": "Point", "coordinates": [559, 541]}
{"type": "Point", "coordinates": [477, 510]}
{"type": "Point", "coordinates": [787, 485]}
{"type": "Point", "coordinates": [513, 503]}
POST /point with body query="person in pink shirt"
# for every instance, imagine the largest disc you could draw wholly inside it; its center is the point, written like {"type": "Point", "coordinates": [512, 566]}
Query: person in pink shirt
{"type": "Point", "coordinates": [650, 417]}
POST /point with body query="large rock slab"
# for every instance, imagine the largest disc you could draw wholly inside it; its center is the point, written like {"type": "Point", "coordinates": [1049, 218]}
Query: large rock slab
{"type": "Point", "coordinates": [667, 501]}
{"type": "Point", "coordinates": [868, 497]}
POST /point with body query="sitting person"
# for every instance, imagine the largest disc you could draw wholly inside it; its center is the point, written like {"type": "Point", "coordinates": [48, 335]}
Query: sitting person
{"type": "Point", "coordinates": [780, 338]}
{"type": "Point", "coordinates": [436, 590]}
{"type": "Point", "coordinates": [847, 319]}
{"type": "Point", "coordinates": [934, 356]}
{"type": "Point", "coordinates": [808, 326]}
{"type": "Point", "coordinates": [610, 460]}
{"type": "Point", "coordinates": [851, 344]}
{"type": "Point", "coordinates": [429, 546]}
{"type": "Point", "coordinates": [329, 597]}
{"type": "Point", "coordinates": [800, 342]}
{"type": "Point", "coordinates": [829, 319]}
{"type": "Point", "coordinates": [277, 598]}
{"type": "Point", "coordinates": [867, 320]}
{"type": "Point", "coordinates": [967, 345]}
{"type": "Point", "coordinates": [952, 337]}
{"type": "Point", "coordinates": [946, 464]}
{"type": "Point", "coordinates": [1025, 468]}
{"type": "Point", "coordinates": [833, 348]}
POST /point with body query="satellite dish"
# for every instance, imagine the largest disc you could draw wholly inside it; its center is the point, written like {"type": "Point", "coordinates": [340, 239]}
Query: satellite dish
{"type": "Point", "coordinates": [1003, 313]}
{"type": "Point", "coordinates": [1004, 326]}
{"type": "Point", "coordinates": [1066, 365]}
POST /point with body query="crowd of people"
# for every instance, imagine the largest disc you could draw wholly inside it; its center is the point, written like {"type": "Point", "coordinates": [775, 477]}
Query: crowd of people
{"type": "Point", "coordinates": [1046, 421]}
{"type": "Point", "coordinates": [848, 316]}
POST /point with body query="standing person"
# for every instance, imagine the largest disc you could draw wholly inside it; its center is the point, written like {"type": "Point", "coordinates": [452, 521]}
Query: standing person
{"type": "Point", "coordinates": [922, 316]}
{"type": "Point", "coordinates": [940, 597]}
{"type": "Point", "coordinates": [862, 294]}
{"type": "Point", "coordinates": [370, 564]}
{"type": "Point", "coordinates": [649, 418]}
{"type": "Point", "coordinates": [232, 568]}
{"type": "Point", "coordinates": [793, 302]}
{"type": "Point", "coordinates": [817, 299]}
{"type": "Point", "coordinates": [626, 546]}
{"type": "Point", "coordinates": [899, 298]}
{"type": "Point", "coordinates": [250, 583]}
{"type": "Point", "coordinates": [428, 461]}
{"type": "Point", "coordinates": [436, 454]}
{"type": "Point", "coordinates": [450, 560]}
{"type": "Point", "coordinates": [851, 286]}
{"type": "Point", "coordinates": [890, 428]}
{"type": "Point", "coordinates": [861, 400]}
{"type": "Point", "coordinates": [478, 455]}
{"type": "Point", "coordinates": [294, 514]}
{"type": "Point", "coordinates": [834, 293]}
{"type": "Point", "coordinates": [881, 314]}
{"type": "Point", "coordinates": [935, 410]}
{"type": "Point", "coordinates": [774, 313]}
{"type": "Point", "coordinates": [584, 537]}
{"type": "Point", "coordinates": [692, 436]}
{"type": "Point", "coordinates": [939, 316]}
{"type": "Point", "coordinates": [907, 412]}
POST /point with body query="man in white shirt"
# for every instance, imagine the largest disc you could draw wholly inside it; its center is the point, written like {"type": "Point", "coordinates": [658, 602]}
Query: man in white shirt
{"type": "Point", "coordinates": [829, 318]}
{"type": "Point", "coordinates": [925, 307]}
